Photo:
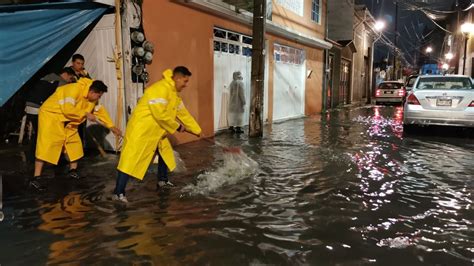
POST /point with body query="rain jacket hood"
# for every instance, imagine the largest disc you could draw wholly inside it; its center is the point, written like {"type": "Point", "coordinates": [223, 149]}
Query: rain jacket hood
{"type": "Point", "coordinates": [237, 75]}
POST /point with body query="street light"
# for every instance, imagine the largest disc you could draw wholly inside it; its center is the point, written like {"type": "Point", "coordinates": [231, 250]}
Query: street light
{"type": "Point", "coordinates": [379, 26]}
{"type": "Point", "coordinates": [449, 56]}
{"type": "Point", "coordinates": [445, 66]}
{"type": "Point", "coordinates": [466, 28]}
{"type": "Point", "coordinates": [428, 51]}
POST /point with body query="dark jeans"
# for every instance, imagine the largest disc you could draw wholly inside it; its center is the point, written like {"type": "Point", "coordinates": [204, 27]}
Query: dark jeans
{"type": "Point", "coordinates": [162, 169]}
{"type": "Point", "coordinates": [122, 179]}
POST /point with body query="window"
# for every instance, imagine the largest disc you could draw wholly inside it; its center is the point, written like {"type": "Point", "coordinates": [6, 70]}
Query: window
{"type": "Point", "coordinates": [219, 33]}
{"type": "Point", "coordinates": [233, 36]}
{"type": "Point", "coordinates": [316, 11]}
{"type": "Point", "coordinates": [444, 83]}
{"type": "Point", "coordinates": [387, 86]}
{"type": "Point", "coordinates": [226, 41]}
{"type": "Point", "coordinates": [247, 40]}
{"type": "Point", "coordinates": [288, 55]}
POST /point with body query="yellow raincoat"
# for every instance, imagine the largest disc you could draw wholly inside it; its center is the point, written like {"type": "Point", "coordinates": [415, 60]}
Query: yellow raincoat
{"type": "Point", "coordinates": [59, 117]}
{"type": "Point", "coordinates": [154, 117]}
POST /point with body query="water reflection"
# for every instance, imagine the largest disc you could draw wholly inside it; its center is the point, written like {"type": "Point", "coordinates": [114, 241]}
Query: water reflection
{"type": "Point", "coordinates": [344, 188]}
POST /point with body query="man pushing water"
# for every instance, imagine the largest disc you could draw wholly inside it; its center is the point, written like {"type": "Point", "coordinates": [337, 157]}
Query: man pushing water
{"type": "Point", "coordinates": [158, 113]}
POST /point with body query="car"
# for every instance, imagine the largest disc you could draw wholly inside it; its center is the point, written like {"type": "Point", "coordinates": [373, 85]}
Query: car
{"type": "Point", "coordinates": [390, 92]}
{"type": "Point", "coordinates": [440, 100]}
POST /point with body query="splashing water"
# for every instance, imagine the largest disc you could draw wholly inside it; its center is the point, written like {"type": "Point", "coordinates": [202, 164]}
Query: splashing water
{"type": "Point", "coordinates": [236, 166]}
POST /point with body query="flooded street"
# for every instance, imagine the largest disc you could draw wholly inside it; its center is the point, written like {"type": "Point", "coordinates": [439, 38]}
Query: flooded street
{"type": "Point", "coordinates": [347, 188]}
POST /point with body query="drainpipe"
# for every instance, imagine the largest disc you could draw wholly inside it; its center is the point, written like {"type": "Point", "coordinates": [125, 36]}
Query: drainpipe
{"type": "Point", "coordinates": [326, 62]}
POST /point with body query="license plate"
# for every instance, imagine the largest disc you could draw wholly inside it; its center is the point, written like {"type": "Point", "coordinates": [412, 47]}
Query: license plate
{"type": "Point", "coordinates": [444, 102]}
{"type": "Point", "coordinates": [388, 92]}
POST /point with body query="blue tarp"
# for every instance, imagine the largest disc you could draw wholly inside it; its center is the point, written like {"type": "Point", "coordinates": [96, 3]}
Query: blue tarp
{"type": "Point", "coordinates": [30, 38]}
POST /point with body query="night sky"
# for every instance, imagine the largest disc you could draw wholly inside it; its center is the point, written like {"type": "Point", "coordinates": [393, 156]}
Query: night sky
{"type": "Point", "coordinates": [413, 25]}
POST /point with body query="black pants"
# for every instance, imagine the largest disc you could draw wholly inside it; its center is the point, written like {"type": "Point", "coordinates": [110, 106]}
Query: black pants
{"type": "Point", "coordinates": [81, 130]}
{"type": "Point", "coordinates": [162, 169]}
{"type": "Point", "coordinates": [121, 183]}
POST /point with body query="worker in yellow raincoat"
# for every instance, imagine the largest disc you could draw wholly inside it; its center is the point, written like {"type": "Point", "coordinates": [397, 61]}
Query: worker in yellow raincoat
{"type": "Point", "coordinates": [158, 113]}
{"type": "Point", "coordinates": [59, 117]}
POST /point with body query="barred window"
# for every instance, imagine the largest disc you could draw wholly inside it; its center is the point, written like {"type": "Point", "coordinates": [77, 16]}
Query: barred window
{"type": "Point", "coordinates": [288, 55]}
{"type": "Point", "coordinates": [226, 41]}
{"type": "Point", "coordinates": [316, 11]}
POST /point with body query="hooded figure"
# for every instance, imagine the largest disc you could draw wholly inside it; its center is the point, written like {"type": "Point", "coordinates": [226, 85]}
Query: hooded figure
{"type": "Point", "coordinates": [236, 103]}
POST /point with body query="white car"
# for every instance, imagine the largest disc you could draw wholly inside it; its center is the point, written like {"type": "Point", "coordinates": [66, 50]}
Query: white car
{"type": "Point", "coordinates": [390, 92]}
{"type": "Point", "coordinates": [440, 100]}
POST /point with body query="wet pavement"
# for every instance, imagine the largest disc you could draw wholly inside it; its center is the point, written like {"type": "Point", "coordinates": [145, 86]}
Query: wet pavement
{"type": "Point", "coordinates": [348, 188]}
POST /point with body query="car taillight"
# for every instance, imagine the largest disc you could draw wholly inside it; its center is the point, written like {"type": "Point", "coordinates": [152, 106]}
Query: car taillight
{"type": "Point", "coordinates": [401, 92]}
{"type": "Point", "coordinates": [413, 100]}
{"type": "Point", "coordinates": [472, 104]}
{"type": "Point", "coordinates": [378, 92]}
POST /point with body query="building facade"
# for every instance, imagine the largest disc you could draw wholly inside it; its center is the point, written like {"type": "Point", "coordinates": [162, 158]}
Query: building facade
{"type": "Point", "coordinates": [349, 66]}
{"type": "Point", "coordinates": [214, 39]}
{"type": "Point", "coordinates": [364, 37]}
{"type": "Point", "coordinates": [463, 44]}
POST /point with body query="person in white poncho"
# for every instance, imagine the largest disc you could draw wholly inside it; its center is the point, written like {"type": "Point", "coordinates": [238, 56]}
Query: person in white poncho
{"type": "Point", "coordinates": [236, 103]}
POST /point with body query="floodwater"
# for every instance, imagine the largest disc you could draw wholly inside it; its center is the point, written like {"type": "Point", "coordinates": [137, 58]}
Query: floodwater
{"type": "Point", "coordinates": [347, 188]}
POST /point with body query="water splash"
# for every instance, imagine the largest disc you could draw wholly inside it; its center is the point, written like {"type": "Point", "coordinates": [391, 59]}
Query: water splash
{"type": "Point", "coordinates": [235, 167]}
{"type": "Point", "coordinates": [399, 242]}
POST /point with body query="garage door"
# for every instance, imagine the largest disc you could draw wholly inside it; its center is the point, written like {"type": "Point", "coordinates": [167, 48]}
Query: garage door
{"type": "Point", "coordinates": [232, 52]}
{"type": "Point", "coordinates": [289, 82]}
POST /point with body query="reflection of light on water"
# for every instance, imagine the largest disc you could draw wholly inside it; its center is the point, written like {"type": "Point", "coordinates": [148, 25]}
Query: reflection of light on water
{"type": "Point", "coordinates": [398, 116]}
{"type": "Point", "coordinates": [411, 184]}
{"type": "Point", "coordinates": [379, 125]}
{"type": "Point", "coordinates": [376, 112]}
{"type": "Point", "coordinates": [408, 201]}
{"type": "Point", "coordinates": [67, 218]}
{"type": "Point", "coordinates": [236, 166]}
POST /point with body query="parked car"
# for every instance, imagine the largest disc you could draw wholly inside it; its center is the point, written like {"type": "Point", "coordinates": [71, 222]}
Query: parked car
{"type": "Point", "coordinates": [440, 100]}
{"type": "Point", "coordinates": [390, 92]}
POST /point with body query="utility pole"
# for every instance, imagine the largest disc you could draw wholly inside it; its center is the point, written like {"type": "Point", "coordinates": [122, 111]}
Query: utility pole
{"type": "Point", "coordinates": [466, 38]}
{"type": "Point", "coordinates": [395, 57]}
{"type": "Point", "coordinates": [258, 69]}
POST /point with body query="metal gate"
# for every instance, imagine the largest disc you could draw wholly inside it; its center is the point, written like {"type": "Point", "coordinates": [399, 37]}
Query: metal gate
{"type": "Point", "coordinates": [232, 52]}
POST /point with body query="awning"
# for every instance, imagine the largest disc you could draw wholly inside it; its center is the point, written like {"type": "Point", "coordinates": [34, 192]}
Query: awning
{"type": "Point", "coordinates": [30, 35]}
